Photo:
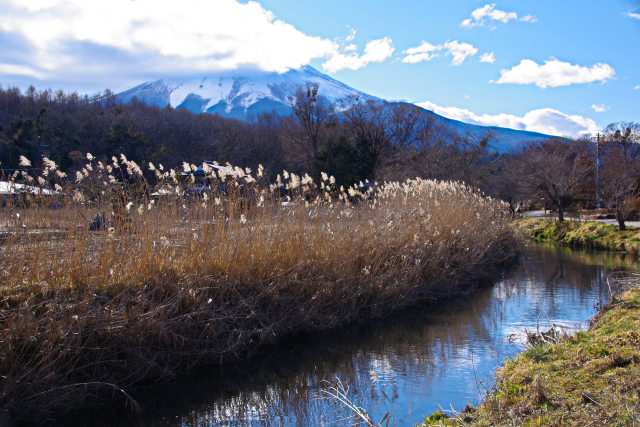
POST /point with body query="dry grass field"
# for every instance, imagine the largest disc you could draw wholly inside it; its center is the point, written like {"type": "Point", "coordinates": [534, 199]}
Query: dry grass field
{"type": "Point", "coordinates": [171, 281]}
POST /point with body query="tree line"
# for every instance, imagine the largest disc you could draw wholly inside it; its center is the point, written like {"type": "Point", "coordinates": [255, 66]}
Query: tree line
{"type": "Point", "coordinates": [564, 174]}
{"type": "Point", "coordinates": [354, 140]}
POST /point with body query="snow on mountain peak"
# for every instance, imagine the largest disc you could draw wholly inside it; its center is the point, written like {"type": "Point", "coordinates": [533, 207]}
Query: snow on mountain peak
{"type": "Point", "coordinates": [243, 94]}
{"type": "Point", "coordinates": [236, 94]}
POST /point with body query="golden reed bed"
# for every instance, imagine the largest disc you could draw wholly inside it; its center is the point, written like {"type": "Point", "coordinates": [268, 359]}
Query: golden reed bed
{"type": "Point", "coordinates": [176, 280]}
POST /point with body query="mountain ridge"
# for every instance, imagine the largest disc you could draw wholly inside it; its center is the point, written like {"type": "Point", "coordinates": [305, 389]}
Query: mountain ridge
{"type": "Point", "coordinates": [249, 94]}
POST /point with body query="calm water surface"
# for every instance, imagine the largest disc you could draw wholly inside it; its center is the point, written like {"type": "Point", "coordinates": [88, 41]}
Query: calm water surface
{"type": "Point", "coordinates": [424, 359]}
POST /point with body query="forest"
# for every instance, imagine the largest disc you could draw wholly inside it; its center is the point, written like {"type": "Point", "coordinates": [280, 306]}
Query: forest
{"type": "Point", "coordinates": [353, 141]}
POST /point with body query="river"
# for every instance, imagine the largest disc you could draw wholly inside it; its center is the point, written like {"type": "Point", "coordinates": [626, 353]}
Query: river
{"type": "Point", "coordinates": [411, 364]}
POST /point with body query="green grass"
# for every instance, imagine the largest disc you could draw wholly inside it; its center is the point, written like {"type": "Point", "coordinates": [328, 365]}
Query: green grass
{"type": "Point", "coordinates": [538, 353]}
{"type": "Point", "coordinates": [436, 418]}
{"type": "Point", "coordinates": [590, 234]}
{"type": "Point", "coordinates": [591, 378]}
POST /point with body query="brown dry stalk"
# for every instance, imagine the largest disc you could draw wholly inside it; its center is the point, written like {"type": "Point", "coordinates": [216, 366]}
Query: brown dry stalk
{"type": "Point", "coordinates": [185, 281]}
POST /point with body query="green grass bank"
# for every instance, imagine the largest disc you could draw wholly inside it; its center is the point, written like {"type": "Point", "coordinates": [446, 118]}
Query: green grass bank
{"type": "Point", "coordinates": [590, 234]}
{"type": "Point", "coordinates": [590, 378]}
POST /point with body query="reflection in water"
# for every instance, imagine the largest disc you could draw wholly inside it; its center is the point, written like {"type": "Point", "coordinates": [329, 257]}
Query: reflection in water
{"type": "Point", "coordinates": [429, 357]}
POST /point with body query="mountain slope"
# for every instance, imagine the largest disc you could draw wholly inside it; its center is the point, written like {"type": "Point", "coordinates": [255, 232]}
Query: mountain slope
{"type": "Point", "coordinates": [243, 95]}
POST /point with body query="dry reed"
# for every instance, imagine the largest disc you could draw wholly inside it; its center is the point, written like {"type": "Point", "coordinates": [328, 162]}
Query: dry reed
{"type": "Point", "coordinates": [177, 281]}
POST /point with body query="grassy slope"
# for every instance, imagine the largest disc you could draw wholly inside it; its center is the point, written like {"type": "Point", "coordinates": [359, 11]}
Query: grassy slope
{"type": "Point", "coordinates": [591, 377]}
{"type": "Point", "coordinates": [591, 234]}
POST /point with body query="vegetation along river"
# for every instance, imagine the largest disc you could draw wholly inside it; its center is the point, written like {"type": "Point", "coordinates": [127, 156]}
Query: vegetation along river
{"type": "Point", "coordinates": [411, 364]}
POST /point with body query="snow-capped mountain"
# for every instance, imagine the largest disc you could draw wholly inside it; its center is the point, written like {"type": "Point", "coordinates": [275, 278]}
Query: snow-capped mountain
{"type": "Point", "coordinates": [239, 96]}
{"type": "Point", "coordinates": [244, 95]}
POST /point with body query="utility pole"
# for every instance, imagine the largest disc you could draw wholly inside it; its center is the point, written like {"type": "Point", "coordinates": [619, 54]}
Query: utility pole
{"type": "Point", "coordinates": [599, 204]}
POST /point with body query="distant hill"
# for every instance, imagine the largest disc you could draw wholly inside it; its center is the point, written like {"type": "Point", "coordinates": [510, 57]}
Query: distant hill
{"type": "Point", "coordinates": [243, 95]}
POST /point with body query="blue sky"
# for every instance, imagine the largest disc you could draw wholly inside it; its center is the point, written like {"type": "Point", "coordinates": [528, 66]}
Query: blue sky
{"type": "Point", "coordinates": [563, 67]}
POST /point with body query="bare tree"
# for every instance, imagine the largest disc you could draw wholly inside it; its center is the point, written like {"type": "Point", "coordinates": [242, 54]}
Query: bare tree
{"type": "Point", "coordinates": [406, 123]}
{"type": "Point", "coordinates": [369, 122]}
{"type": "Point", "coordinates": [503, 180]}
{"type": "Point", "coordinates": [621, 169]}
{"type": "Point", "coordinates": [315, 114]}
{"type": "Point", "coordinates": [470, 149]}
{"type": "Point", "coordinates": [551, 170]}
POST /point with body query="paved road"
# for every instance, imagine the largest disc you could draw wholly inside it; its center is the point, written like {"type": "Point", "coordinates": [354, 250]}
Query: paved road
{"type": "Point", "coordinates": [541, 214]}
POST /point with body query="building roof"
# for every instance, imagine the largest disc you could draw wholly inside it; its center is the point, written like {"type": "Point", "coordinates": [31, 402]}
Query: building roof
{"type": "Point", "coordinates": [10, 188]}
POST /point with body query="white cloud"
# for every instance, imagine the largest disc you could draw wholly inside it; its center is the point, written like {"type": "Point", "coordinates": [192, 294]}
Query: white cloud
{"type": "Point", "coordinates": [426, 51]}
{"type": "Point", "coordinates": [375, 51]}
{"type": "Point", "coordinates": [79, 40]}
{"type": "Point", "coordinates": [19, 70]}
{"type": "Point", "coordinates": [634, 15]}
{"type": "Point", "coordinates": [528, 18]}
{"type": "Point", "coordinates": [555, 73]}
{"type": "Point", "coordinates": [459, 51]}
{"type": "Point", "coordinates": [467, 23]}
{"type": "Point", "coordinates": [637, 87]}
{"type": "Point", "coordinates": [200, 34]}
{"type": "Point", "coordinates": [543, 120]}
{"type": "Point", "coordinates": [489, 12]}
{"type": "Point", "coordinates": [599, 108]}
{"type": "Point", "coordinates": [488, 57]}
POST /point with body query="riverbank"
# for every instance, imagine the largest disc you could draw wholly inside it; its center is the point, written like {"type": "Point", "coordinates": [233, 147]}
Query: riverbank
{"type": "Point", "coordinates": [196, 281]}
{"type": "Point", "coordinates": [590, 378]}
{"type": "Point", "coordinates": [590, 234]}
{"type": "Point", "coordinates": [424, 351]}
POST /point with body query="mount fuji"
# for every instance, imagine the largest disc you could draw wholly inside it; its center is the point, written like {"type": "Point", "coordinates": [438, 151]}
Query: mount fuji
{"type": "Point", "coordinates": [242, 95]}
